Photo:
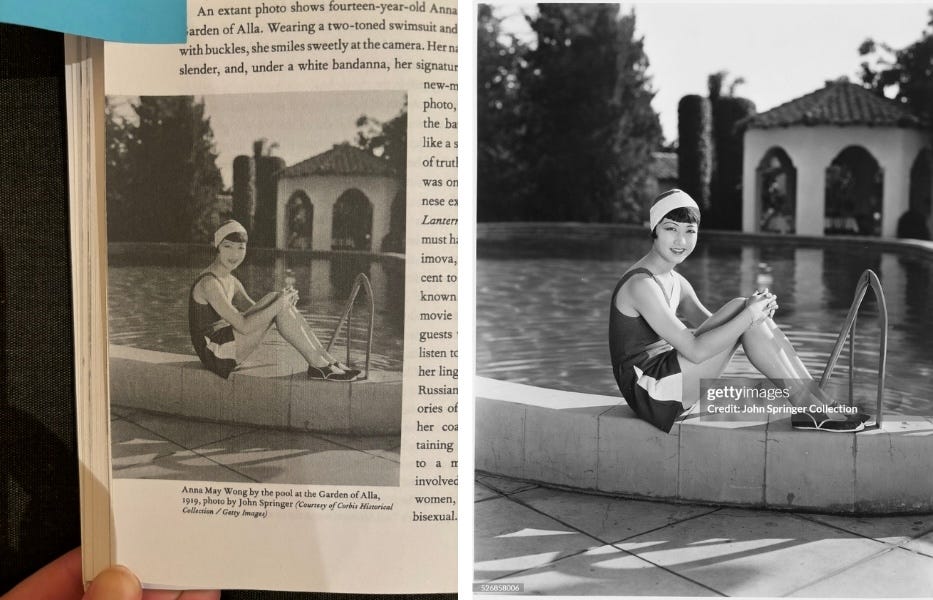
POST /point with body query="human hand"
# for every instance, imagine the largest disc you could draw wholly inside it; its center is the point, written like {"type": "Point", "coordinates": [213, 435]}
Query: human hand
{"type": "Point", "coordinates": [761, 305]}
{"type": "Point", "coordinates": [289, 296]}
{"type": "Point", "coordinates": [767, 291]}
{"type": "Point", "coordinates": [61, 580]}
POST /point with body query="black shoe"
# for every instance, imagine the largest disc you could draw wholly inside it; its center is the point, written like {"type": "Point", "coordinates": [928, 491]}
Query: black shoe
{"type": "Point", "coordinates": [819, 421]}
{"type": "Point", "coordinates": [328, 374]}
{"type": "Point", "coordinates": [346, 369]}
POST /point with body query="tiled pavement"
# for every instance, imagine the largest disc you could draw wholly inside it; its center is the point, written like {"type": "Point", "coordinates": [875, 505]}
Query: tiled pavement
{"type": "Point", "coordinates": [565, 543]}
{"type": "Point", "coordinates": [153, 446]}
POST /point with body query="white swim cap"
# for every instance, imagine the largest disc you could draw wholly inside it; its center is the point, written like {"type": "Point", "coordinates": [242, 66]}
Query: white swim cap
{"type": "Point", "coordinates": [667, 202]}
{"type": "Point", "coordinates": [226, 229]}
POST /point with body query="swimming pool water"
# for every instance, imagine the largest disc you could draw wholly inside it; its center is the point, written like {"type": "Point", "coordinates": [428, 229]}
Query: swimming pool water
{"type": "Point", "coordinates": [543, 299]}
{"type": "Point", "coordinates": [148, 298]}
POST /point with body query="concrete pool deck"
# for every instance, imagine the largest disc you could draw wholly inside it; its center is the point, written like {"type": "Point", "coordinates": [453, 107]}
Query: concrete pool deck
{"type": "Point", "coordinates": [595, 443]}
{"type": "Point", "coordinates": [148, 445]}
{"type": "Point", "coordinates": [271, 389]}
{"type": "Point", "coordinates": [558, 542]}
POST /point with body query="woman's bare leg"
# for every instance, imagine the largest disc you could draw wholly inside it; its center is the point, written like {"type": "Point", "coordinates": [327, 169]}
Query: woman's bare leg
{"type": "Point", "coordinates": [769, 350]}
{"type": "Point", "coordinates": [261, 304]}
{"type": "Point", "coordinates": [722, 316]}
{"type": "Point", "coordinates": [293, 328]}
{"type": "Point", "coordinates": [246, 343]}
{"type": "Point", "coordinates": [298, 333]}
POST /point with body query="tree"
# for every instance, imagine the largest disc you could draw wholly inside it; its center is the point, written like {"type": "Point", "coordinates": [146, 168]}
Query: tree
{"type": "Point", "coordinates": [908, 70]}
{"type": "Point", "coordinates": [389, 140]}
{"type": "Point", "coordinates": [715, 83]}
{"type": "Point", "coordinates": [385, 139]}
{"type": "Point", "coordinates": [118, 138]}
{"type": "Point", "coordinates": [502, 181]}
{"type": "Point", "coordinates": [586, 107]}
{"type": "Point", "coordinates": [167, 177]}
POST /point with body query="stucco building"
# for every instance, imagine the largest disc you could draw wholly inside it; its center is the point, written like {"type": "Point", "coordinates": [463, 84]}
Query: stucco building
{"type": "Point", "coordinates": [340, 199]}
{"type": "Point", "coordinates": [838, 160]}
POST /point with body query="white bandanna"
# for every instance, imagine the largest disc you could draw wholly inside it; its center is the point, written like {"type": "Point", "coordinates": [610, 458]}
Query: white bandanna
{"type": "Point", "coordinates": [225, 230]}
{"type": "Point", "coordinates": [673, 199]}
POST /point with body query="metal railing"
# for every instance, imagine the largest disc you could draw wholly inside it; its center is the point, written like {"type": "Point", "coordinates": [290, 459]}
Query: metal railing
{"type": "Point", "coordinates": [868, 279]}
{"type": "Point", "coordinates": [361, 282]}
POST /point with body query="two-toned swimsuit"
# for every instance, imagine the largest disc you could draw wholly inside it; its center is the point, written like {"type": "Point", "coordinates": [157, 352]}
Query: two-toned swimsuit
{"type": "Point", "coordinates": [645, 366]}
{"type": "Point", "coordinates": [211, 336]}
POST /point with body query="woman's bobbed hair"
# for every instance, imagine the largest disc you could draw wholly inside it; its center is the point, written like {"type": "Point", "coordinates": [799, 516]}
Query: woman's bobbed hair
{"type": "Point", "coordinates": [680, 215]}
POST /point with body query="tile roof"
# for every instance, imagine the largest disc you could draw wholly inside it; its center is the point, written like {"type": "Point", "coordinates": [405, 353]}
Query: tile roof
{"type": "Point", "coordinates": [839, 103]}
{"type": "Point", "coordinates": [342, 159]}
{"type": "Point", "coordinates": [663, 165]}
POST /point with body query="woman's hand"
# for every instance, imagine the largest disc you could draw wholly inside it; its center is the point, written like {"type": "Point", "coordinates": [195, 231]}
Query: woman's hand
{"type": "Point", "coordinates": [767, 291]}
{"type": "Point", "coordinates": [761, 305]}
{"type": "Point", "coordinates": [289, 297]}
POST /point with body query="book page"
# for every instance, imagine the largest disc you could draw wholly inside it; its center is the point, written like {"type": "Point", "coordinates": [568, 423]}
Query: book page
{"type": "Point", "coordinates": [327, 130]}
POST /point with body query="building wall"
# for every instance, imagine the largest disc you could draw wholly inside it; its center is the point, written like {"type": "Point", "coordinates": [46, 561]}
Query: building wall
{"type": "Point", "coordinates": [812, 149]}
{"type": "Point", "coordinates": [323, 191]}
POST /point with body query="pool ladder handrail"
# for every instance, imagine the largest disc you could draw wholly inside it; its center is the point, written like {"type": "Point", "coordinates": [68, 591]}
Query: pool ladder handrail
{"type": "Point", "coordinates": [361, 282]}
{"type": "Point", "coordinates": [867, 279]}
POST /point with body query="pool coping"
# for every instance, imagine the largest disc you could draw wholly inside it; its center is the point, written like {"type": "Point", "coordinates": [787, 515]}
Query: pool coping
{"type": "Point", "coordinates": [175, 249]}
{"type": "Point", "coordinates": [272, 389]}
{"type": "Point", "coordinates": [920, 248]}
{"type": "Point", "coordinates": [593, 443]}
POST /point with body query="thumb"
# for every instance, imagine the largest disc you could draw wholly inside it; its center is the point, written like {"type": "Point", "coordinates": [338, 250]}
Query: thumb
{"type": "Point", "coordinates": [114, 583]}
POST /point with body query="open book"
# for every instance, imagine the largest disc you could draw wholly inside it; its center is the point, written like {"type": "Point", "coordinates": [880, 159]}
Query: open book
{"type": "Point", "coordinates": [283, 418]}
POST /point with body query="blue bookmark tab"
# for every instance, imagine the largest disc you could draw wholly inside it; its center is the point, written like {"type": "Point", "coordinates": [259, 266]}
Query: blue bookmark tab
{"type": "Point", "coordinates": [136, 21]}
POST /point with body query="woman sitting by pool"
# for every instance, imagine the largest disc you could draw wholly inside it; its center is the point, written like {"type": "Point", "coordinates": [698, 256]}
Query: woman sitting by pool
{"type": "Point", "coordinates": [658, 361]}
{"type": "Point", "coordinates": [224, 337]}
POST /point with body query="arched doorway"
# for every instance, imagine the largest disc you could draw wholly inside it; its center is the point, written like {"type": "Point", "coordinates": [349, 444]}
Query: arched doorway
{"type": "Point", "coordinates": [854, 190]}
{"type": "Point", "coordinates": [777, 192]}
{"type": "Point", "coordinates": [299, 222]}
{"type": "Point", "coordinates": [915, 223]}
{"type": "Point", "coordinates": [353, 222]}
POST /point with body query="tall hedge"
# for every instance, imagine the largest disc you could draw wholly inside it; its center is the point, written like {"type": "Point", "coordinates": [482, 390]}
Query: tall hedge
{"type": "Point", "coordinates": [695, 150]}
{"type": "Point", "coordinates": [726, 185]}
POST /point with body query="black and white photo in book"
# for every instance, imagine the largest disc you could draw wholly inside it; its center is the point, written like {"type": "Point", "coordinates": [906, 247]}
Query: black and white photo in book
{"type": "Point", "coordinates": [703, 274]}
{"type": "Point", "coordinates": [256, 263]}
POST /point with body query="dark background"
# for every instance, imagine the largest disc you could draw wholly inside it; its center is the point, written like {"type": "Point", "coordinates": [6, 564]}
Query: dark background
{"type": "Point", "coordinates": [39, 518]}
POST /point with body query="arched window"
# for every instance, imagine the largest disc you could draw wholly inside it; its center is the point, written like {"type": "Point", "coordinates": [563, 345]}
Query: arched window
{"type": "Point", "coordinates": [915, 223]}
{"type": "Point", "coordinates": [777, 192]}
{"type": "Point", "coordinates": [353, 222]}
{"type": "Point", "coordinates": [854, 189]}
{"type": "Point", "coordinates": [299, 222]}
{"type": "Point", "coordinates": [921, 182]}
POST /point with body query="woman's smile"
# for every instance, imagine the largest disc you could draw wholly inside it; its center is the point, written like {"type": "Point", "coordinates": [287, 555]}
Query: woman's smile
{"type": "Point", "coordinates": [675, 241]}
{"type": "Point", "coordinates": [232, 254]}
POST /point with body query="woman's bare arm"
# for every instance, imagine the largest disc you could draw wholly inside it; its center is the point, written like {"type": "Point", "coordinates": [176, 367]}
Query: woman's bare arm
{"type": "Point", "coordinates": [239, 290]}
{"type": "Point", "coordinates": [646, 298]}
{"type": "Point", "coordinates": [214, 293]}
{"type": "Point", "coordinates": [690, 304]}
